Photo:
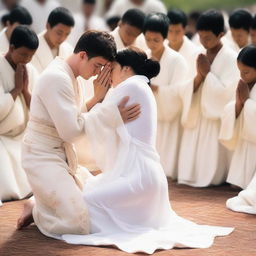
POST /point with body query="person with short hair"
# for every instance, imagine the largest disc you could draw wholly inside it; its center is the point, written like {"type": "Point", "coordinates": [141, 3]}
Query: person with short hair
{"type": "Point", "coordinates": [17, 80]}
{"type": "Point", "coordinates": [52, 41]}
{"type": "Point", "coordinates": [203, 161]}
{"type": "Point", "coordinates": [238, 134]}
{"type": "Point", "coordinates": [58, 116]}
{"type": "Point", "coordinates": [179, 42]}
{"type": "Point", "coordinates": [18, 16]}
{"type": "Point", "coordinates": [240, 23]}
{"type": "Point", "coordinates": [173, 70]}
{"type": "Point", "coordinates": [129, 30]}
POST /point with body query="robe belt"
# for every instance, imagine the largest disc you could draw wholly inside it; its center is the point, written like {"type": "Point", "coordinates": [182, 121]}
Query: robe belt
{"type": "Point", "coordinates": [45, 128]}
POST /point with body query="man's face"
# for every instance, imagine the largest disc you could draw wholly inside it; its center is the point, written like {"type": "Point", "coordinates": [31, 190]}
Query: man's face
{"type": "Point", "coordinates": [248, 74]}
{"type": "Point", "coordinates": [154, 40]}
{"type": "Point", "coordinates": [128, 33]}
{"type": "Point", "coordinates": [208, 39]}
{"type": "Point", "coordinates": [240, 36]}
{"type": "Point", "coordinates": [253, 36]}
{"type": "Point", "coordinates": [90, 67]}
{"type": "Point", "coordinates": [176, 33]}
{"type": "Point", "coordinates": [58, 34]}
{"type": "Point", "coordinates": [21, 55]}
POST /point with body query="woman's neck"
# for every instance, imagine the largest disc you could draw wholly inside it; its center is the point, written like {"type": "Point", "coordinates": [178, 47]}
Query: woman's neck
{"type": "Point", "coordinates": [250, 85]}
{"type": "Point", "coordinates": [215, 49]}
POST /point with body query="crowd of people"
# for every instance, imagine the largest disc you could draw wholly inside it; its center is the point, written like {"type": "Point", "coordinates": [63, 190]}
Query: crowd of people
{"type": "Point", "coordinates": [199, 69]}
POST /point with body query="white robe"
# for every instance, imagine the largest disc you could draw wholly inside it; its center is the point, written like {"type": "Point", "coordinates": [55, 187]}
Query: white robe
{"type": "Point", "coordinates": [39, 12]}
{"type": "Point", "coordinates": [13, 121]}
{"type": "Point", "coordinates": [95, 23]}
{"type": "Point", "coordinates": [43, 55]}
{"type": "Point", "coordinates": [4, 42]}
{"type": "Point", "coordinates": [56, 122]}
{"type": "Point", "coordinates": [139, 41]}
{"type": "Point", "coordinates": [128, 204]}
{"type": "Point", "coordinates": [203, 160]}
{"type": "Point", "coordinates": [239, 134]}
{"type": "Point", "coordinates": [173, 71]}
{"type": "Point", "coordinates": [119, 7]}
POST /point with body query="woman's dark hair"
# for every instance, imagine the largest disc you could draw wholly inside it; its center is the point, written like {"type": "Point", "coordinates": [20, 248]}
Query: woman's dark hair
{"type": "Point", "coordinates": [97, 44]}
{"type": "Point", "coordinates": [157, 22]}
{"type": "Point", "coordinates": [137, 59]}
{"type": "Point", "coordinates": [211, 20]}
{"type": "Point", "coordinates": [248, 56]}
{"type": "Point", "coordinates": [22, 36]}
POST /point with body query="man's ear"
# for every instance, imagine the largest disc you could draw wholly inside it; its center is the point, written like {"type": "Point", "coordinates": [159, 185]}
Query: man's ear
{"type": "Point", "coordinates": [120, 23]}
{"type": "Point", "coordinates": [48, 26]}
{"type": "Point", "coordinates": [83, 55]}
{"type": "Point", "coordinates": [221, 35]}
{"type": "Point", "coordinates": [11, 48]}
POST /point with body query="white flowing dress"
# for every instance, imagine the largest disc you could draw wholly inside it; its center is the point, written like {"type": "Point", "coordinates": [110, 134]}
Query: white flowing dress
{"type": "Point", "coordinates": [128, 203]}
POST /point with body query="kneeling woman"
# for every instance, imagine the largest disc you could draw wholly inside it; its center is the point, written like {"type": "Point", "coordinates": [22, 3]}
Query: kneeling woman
{"type": "Point", "coordinates": [128, 203]}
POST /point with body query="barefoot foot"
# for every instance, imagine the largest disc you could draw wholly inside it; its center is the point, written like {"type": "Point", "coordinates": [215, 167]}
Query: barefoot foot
{"type": "Point", "coordinates": [26, 217]}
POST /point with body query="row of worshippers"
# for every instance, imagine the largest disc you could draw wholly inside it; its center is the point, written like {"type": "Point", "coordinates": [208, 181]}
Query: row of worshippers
{"type": "Point", "coordinates": [191, 92]}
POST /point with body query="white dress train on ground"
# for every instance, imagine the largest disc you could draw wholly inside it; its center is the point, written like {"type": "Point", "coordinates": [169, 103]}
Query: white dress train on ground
{"type": "Point", "coordinates": [128, 203]}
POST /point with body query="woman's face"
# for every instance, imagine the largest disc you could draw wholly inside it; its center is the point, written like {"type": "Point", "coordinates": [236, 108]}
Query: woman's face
{"type": "Point", "coordinates": [248, 74]}
{"type": "Point", "coordinates": [116, 74]}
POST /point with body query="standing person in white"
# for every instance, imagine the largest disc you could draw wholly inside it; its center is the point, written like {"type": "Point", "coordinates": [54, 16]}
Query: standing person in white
{"type": "Point", "coordinates": [203, 161]}
{"type": "Point", "coordinates": [57, 120]}
{"type": "Point", "coordinates": [85, 20]}
{"type": "Point", "coordinates": [52, 41]}
{"type": "Point", "coordinates": [173, 70]}
{"type": "Point", "coordinates": [129, 30]}
{"type": "Point", "coordinates": [119, 7]}
{"type": "Point", "coordinates": [133, 180]}
{"type": "Point", "coordinates": [179, 42]}
{"type": "Point", "coordinates": [39, 10]}
{"type": "Point", "coordinates": [17, 79]}
{"type": "Point", "coordinates": [239, 34]}
{"type": "Point", "coordinates": [18, 16]}
{"type": "Point", "coordinates": [238, 133]}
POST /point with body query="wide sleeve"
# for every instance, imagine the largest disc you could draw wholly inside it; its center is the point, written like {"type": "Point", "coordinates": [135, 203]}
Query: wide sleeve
{"type": "Point", "coordinates": [6, 103]}
{"type": "Point", "coordinates": [230, 126]}
{"type": "Point", "coordinates": [249, 120]}
{"type": "Point", "coordinates": [105, 130]}
{"type": "Point", "coordinates": [168, 96]}
{"type": "Point", "coordinates": [219, 90]}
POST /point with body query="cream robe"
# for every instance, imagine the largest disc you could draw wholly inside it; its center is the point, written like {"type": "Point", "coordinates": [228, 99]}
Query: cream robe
{"type": "Point", "coordinates": [44, 55]}
{"type": "Point", "coordinates": [239, 135]}
{"type": "Point", "coordinates": [4, 42]}
{"type": "Point", "coordinates": [128, 203]}
{"type": "Point", "coordinates": [173, 70]}
{"type": "Point", "coordinates": [139, 42]}
{"type": "Point", "coordinates": [13, 120]}
{"type": "Point", "coordinates": [48, 157]}
{"type": "Point", "coordinates": [202, 160]}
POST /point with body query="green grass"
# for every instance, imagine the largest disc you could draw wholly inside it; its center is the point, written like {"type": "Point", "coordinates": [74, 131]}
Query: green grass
{"type": "Point", "coordinates": [188, 5]}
